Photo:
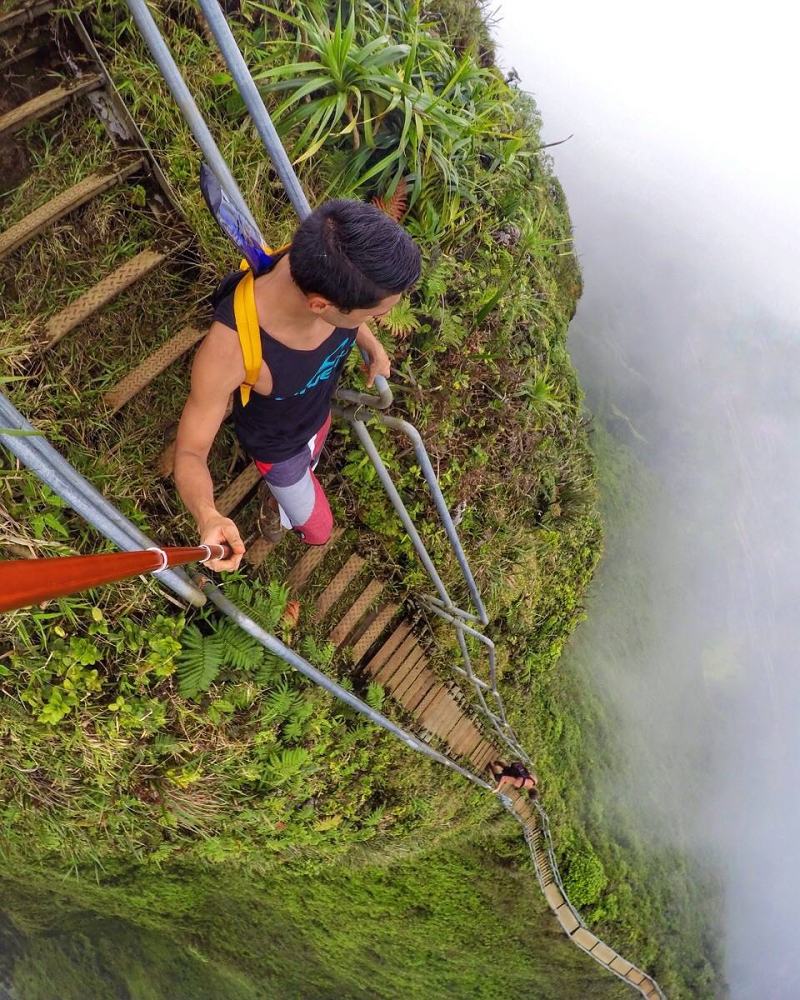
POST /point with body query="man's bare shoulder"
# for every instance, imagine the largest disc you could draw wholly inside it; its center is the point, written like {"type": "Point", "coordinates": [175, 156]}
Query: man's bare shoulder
{"type": "Point", "coordinates": [222, 339]}
{"type": "Point", "coordinates": [219, 359]}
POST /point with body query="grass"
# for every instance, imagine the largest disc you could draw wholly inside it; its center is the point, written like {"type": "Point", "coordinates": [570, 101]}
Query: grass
{"type": "Point", "coordinates": [143, 791]}
{"type": "Point", "coordinates": [459, 919]}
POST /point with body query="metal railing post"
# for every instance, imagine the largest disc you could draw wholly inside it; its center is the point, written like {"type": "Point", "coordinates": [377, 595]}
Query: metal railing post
{"type": "Point", "coordinates": [255, 105]}
{"type": "Point", "coordinates": [186, 103]}
{"type": "Point", "coordinates": [421, 452]}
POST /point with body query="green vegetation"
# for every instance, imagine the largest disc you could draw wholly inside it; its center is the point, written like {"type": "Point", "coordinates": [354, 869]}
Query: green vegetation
{"type": "Point", "coordinates": [459, 920]}
{"type": "Point", "coordinates": [155, 752]}
{"type": "Point", "coordinates": [418, 113]}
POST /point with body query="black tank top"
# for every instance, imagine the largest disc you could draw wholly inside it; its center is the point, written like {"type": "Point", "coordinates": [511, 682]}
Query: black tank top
{"type": "Point", "coordinates": [275, 427]}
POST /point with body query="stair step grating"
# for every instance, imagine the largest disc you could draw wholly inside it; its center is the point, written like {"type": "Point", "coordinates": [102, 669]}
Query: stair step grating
{"type": "Point", "coordinates": [244, 483]}
{"type": "Point", "coordinates": [419, 690]}
{"type": "Point", "coordinates": [405, 674]}
{"type": "Point", "coordinates": [389, 646]}
{"type": "Point", "coordinates": [399, 656]}
{"type": "Point", "coordinates": [258, 552]}
{"type": "Point", "coordinates": [152, 366]}
{"type": "Point", "coordinates": [374, 631]}
{"type": "Point", "coordinates": [331, 594]}
{"type": "Point", "coordinates": [301, 572]}
{"type": "Point", "coordinates": [62, 204]}
{"type": "Point", "coordinates": [356, 612]}
{"type": "Point", "coordinates": [402, 687]}
{"type": "Point", "coordinates": [46, 103]}
{"type": "Point", "coordinates": [105, 291]}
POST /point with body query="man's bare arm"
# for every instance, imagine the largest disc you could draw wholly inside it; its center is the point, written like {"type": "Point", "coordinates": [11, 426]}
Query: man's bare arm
{"type": "Point", "coordinates": [217, 371]}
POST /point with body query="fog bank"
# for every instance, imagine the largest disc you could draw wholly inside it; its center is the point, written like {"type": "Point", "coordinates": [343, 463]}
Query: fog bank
{"type": "Point", "coordinates": [681, 183]}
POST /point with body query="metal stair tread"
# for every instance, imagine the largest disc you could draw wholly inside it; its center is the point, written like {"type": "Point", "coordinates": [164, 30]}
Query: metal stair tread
{"type": "Point", "coordinates": [429, 698]}
{"type": "Point", "coordinates": [233, 495]}
{"type": "Point", "coordinates": [374, 631]}
{"type": "Point", "coordinates": [355, 612]}
{"type": "Point", "coordinates": [100, 294]}
{"type": "Point", "coordinates": [62, 204]}
{"type": "Point", "coordinates": [301, 571]}
{"type": "Point", "coordinates": [463, 740]}
{"type": "Point", "coordinates": [336, 588]}
{"type": "Point", "coordinates": [388, 647]}
{"type": "Point", "coordinates": [403, 685]}
{"type": "Point", "coordinates": [401, 653]}
{"type": "Point", "coordinates": [43, 104]}
{"type": "Point", "coordinates": [407, 669]}
{"type": "Point", "coordinates": [419, 690]}
{"type": "Point", "coordinates": [439, 717]}
{"type": "Point", "coordinates": [437, 709]}
{"type": "Point", "coordinates": [258, 551]}
{"type": "Point", "coordinates": [153, 365]}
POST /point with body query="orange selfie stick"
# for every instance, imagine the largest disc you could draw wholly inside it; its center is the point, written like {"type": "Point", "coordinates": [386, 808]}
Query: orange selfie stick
{"type": "Point", "coordinates": [30, 581]}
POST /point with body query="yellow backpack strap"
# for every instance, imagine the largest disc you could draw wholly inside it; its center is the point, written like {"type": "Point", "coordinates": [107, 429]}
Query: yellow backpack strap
{"type": "Point", "coordinates": [247, 326]}
{"type": "Point", "coordinates": [244, 311]}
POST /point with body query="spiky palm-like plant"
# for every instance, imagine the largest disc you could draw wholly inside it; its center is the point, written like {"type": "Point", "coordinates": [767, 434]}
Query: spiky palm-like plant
{"type": "Point", "coordinates": [390, 112]}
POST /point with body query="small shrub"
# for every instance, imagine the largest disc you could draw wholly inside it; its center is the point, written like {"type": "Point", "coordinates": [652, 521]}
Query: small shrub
{"type": "Point", "coordinates": [585, 878]}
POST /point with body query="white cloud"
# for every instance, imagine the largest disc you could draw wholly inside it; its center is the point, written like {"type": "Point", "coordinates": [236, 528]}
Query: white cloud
{"type": "Point", "coordinates": [682, 184]}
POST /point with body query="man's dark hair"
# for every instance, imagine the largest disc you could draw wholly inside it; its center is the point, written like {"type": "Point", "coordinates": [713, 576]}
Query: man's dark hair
{"type": "Point", "coordinates": [352, 254]}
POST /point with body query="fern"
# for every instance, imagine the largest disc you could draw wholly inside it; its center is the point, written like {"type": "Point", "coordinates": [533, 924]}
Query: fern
{"type": "Point", "coordinates": [375, 816]}
{"type": "Point", "coordinates": [281, 703]}
{"type": "Point", "coordinates": [293, 730]}
{"type": "Point", "coordinates": [437, 281]}
{"type": "Point", "coordinates": [320, 654]}
{"type": "Point", "coordinates": [304, 709]}
{"type": "Point", "coordinates": [270, 669]}
{"type": "Point", "coordinates": [264, 605]}
{"type": "Point", "coordinates": [400, 320]}
{"type": "Point", "coordinates": [375, 696]}
{"type": "Point", "coordinates": [199, 661]}
{"type": "Point", "coordinates": [240, 592]}
{"type": "Point", "coordinates": [269, 606]}
{"type": "Point", "coordinates": [451, 331]}
{"type": "Point", "coordinates": [288, 763]}
{"type": "Point", "coordinates": [278, 594]}
{"type": "Point", "coordinates": [240, 649]}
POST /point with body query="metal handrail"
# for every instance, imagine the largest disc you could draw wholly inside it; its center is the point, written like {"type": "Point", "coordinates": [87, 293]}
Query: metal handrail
{"type": "Point", "coordinates": [251, 96]}
{"type": "Point", "coordinates": [442, 509]}
{"type": "Point", "coordinates": [183, 98]}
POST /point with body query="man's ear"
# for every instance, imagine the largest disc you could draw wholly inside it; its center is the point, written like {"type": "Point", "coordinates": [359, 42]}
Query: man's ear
{"type": "Point", "coordinates": [317, 303]}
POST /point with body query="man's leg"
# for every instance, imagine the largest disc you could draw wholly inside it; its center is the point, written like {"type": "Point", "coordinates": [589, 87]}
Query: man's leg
{"type": "Point", "coordinates": [302, 503]}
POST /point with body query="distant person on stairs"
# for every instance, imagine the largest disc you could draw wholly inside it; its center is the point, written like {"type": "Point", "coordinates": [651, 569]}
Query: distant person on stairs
{"type": "Point", "coordinates": [514, 775]}
{"type": "Point", "coordinates": [348, 262]}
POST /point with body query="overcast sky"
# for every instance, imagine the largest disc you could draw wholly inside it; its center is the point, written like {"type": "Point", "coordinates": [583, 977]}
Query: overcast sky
{"type": "Point", "coordinates": [682, 184]}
